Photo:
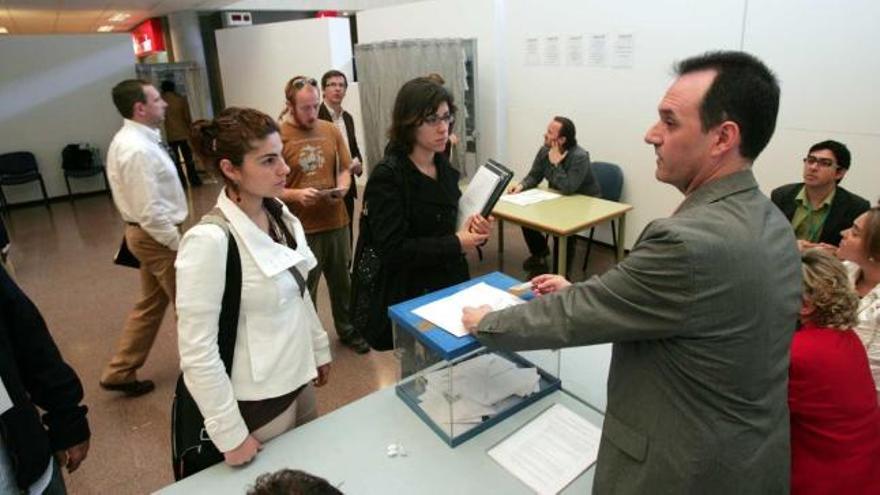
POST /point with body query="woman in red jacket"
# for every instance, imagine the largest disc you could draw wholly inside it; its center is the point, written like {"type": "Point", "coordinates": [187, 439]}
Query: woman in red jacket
{"type": "Point", "coordinates": [835, 420]}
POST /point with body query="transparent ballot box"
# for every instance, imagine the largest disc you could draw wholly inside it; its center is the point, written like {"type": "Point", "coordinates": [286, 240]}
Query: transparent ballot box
{"type": "Point", "coordinates": [455, 385]}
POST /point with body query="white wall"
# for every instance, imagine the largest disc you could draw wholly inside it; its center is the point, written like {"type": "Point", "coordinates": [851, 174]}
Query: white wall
{"type": "Point", "coordinates": [828, 79]}
{"type": "Point", "coordinates": [55, 90]}
{"type": "Point", "coordinates": [823, 55]}
{"type": "Point", "coordinates": [257, 61]}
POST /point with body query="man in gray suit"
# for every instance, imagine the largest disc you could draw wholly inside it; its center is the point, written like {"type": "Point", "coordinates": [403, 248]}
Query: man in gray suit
{"type": "Point", "coordinates": [702, 311]}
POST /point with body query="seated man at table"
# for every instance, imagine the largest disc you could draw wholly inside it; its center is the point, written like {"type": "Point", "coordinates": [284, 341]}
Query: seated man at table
{"type": "Point", "coordinates": [818, 208]}
{"type": "Point", "coordinates": [566, 166]}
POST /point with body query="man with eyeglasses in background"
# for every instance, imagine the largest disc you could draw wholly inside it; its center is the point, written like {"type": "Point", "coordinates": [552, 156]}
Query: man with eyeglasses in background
{"type": "Point", "coordinates": [319, 177]}
{"type": "Point", "coordinates": [335, 84]}
{"type": "Point", "coordinates": [818, 208]}
{"type": "Point", "coordinates": [566, 166]}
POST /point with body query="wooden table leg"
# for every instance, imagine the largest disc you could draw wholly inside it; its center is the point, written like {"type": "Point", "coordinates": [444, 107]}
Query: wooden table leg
{"type": "Point", "coordinates": [562, 244]}
{"type": "Point", "coordinates": [621, 228]}
{"type": "Point", "coordinates": [500, 245]}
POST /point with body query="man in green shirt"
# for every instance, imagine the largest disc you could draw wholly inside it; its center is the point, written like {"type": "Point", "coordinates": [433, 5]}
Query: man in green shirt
{"type": "Point", "coordinates": [818, 208]}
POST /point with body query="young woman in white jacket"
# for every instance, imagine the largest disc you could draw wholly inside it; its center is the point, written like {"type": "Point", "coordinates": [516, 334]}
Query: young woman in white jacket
{"type": "Point", "coordinates": [281, 349]}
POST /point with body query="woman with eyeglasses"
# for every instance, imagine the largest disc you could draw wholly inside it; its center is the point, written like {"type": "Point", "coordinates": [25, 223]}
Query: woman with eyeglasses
{"type": "Point", "coordinates": [860, 250]}
{"type": "Point", "coordinates": [411, 206]}
{"type": "Point", "coordinates": [281, 349]}
{"type": "Point", "coordinates": [835, 419]}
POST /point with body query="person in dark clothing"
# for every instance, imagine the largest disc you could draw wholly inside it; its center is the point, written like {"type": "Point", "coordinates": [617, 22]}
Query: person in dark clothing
{"type": "Point", "coordinates": [177, 123]}
{"type": "Point", "coordinates": [566, 166]}
{"type": "Point", "coordinates": [334, 85]}
{"type": "Point", "coordinates": [35, 375]}
{"type": "Point", "coordinates": [818, 208]}
{"type": "Point", "coordinates": [412, 199]}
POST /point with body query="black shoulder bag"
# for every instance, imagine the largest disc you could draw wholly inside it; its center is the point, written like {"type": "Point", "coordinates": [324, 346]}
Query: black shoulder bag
{"type": "Point", "coordinates": [369, 280]}
{"type": "Point", "coordinates": [191, 448]}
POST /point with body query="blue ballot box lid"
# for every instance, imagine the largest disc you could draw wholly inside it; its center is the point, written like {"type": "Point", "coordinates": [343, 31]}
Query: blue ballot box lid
{"type": "Point", "coordinates": [436, 339]}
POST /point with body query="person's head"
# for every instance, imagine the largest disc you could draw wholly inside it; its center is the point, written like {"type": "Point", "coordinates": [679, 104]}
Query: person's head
{"type": "Point", "coordinates": [716, 118]}
{"type": "Point", "coordinates": [828, 299]}
{"type": "Point", "coordinates": [561, 130]}
{"type": "Point", "coordinates": [334, 85]}
{"type": "Point", "coordinates": [138, 100]}
{"type": "Point", "coordinates": [168, 86]}
{"type": "Point", "coordinates": [826, 163]}
{"type": "Point", "coordinates": [861, 242]}
{"type": "Point", "coordinates": [303, 100]}
{"type": "Point", "coordinates": [244, 147]}
{"type": "Point", "coordinates": [437, 78]}
{"type": "Point", "coordinates": [292, 482]}
{"type": "Point", "coordinates": [423, 113]}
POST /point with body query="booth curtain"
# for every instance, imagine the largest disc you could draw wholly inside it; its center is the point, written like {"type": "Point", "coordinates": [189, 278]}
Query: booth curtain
{"type": "Point", "coordinates": [384, 67]}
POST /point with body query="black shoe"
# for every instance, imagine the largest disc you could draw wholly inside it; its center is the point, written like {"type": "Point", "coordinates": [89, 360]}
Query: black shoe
{"type": "Point", "coordinates": [131, 389]}
{"type": "Point", "coordinates": [357, 344]}
{"type": "Point", "coordinates": [535, 261]}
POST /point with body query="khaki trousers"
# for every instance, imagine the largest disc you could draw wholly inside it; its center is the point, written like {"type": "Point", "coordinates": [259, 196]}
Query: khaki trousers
{"type": "Point", "coordinates": [142, 324]}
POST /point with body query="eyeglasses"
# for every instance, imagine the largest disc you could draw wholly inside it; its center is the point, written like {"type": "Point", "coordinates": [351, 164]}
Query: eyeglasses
{"type": "Point", "coordinates": [812, 160]}
{"type": "Point", "coordinates": [435, 120]}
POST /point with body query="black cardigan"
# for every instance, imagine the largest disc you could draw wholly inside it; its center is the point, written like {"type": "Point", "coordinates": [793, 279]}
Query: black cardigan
{"type": "Point", "coordinates": [34, 373]}
{"type": "Point", "coordinates": [845, 208]}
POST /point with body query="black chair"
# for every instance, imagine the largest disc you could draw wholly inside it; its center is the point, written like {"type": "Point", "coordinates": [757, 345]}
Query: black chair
{"type": "Point", "coordinates": [19, 167]}
{"type": "Point", "coordinates": [610, 178]}
{"type": "Point", "coordinates": [78, 161]}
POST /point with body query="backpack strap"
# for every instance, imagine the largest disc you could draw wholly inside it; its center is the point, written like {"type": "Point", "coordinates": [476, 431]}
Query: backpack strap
{"type": "Point", "coordinates": [231, 302]}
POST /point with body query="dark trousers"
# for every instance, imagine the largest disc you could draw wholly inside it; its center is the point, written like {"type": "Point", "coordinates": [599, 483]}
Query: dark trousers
{"type": "Point", "coordinates": [349, 200]}
{"type": "Point", "coordinates": [179, 148]}
{"type": "Point", "coordinates": [537, 243]}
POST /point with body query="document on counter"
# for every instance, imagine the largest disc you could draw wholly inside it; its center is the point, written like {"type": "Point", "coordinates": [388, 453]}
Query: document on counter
{"type": "Point", "coordinates": [529, 197]}
{"type": "Point", "coordinates": [549, 452]}
{"type": "Point", "coordinates": [446, 312]}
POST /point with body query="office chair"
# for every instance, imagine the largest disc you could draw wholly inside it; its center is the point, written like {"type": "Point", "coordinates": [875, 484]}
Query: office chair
{"type": "Point", "coordinates": [610, 177]}
{"type": "Point", "coordinates": [19, 167]}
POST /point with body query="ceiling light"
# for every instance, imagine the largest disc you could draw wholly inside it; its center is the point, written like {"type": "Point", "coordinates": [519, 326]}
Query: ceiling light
{"type": "Point", "coordinates": [3, 30]}
{"type": "Point", "coordinates": [105, 29]}
{"type": "Point", "coordinates": [119, 17]}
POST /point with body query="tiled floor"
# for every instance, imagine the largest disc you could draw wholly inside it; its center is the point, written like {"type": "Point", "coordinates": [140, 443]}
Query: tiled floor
{"type": "Point", "coordinates": [62, 257]}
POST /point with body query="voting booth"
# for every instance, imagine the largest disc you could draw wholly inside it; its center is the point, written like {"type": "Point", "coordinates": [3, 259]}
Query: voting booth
{"type": "Point", "coordinates": [455, 385]}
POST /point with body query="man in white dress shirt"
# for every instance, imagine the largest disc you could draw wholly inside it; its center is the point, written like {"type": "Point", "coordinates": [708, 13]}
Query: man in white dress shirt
{"type": "Point", "coordinates": [151, 201]}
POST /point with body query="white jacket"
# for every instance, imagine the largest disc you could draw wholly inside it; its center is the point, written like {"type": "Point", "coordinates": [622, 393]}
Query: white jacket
{"type": "Point", "coordinates": [280, 340]}
{"type": "Point", "coordinates": [868, 328]}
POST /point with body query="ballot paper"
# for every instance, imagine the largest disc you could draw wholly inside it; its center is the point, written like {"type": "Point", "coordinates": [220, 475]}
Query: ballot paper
{"type": "Point", "coordinates": [529, 197]}
{"type": "Point", "coordinates": [446, 312]}
{"type": "Point", "coordinates": [482, 387]}
{"type": "Point", "coordinates": [550, 451]}
{"type": "Point", "coordinates": [486, 379]}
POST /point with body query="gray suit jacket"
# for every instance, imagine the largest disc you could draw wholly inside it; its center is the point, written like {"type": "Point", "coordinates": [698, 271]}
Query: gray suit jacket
{"type": "Point", "coordinates": [701, 314]}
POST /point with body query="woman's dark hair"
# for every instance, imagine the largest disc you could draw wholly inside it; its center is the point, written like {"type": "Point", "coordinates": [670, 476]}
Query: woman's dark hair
{"type": "Point", "coordinates": [230, 135]}
{"type": "Point", "coordinates": [417, 99]}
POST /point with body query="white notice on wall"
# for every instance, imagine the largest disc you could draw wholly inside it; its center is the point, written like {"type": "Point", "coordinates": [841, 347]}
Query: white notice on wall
{"type": "Point", "coordinates": [550, 451]}
{"type": "Point", "coordinates": [597, 51]}
{"type": "Point", "coordinates": [551, 50]}
{"type": "Point", "coordinates": [533, 56]}
{"type": "Point", "coordinates": [624, 51]}
{"type": "Point", "coordinates": [574, 50]}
